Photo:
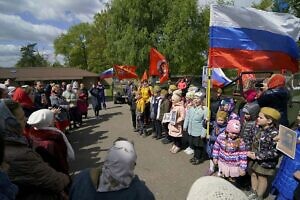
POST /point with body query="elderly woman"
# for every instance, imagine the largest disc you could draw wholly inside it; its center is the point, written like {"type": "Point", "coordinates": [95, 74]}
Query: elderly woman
{"type": "Point", "coordinates": [116, 180]}
{"type": "Point", "coordinates": [48, 141]}
{"type": "Point", "coordinates": [57, 101]}
{"type": "Point", "coordinates": [34, 177]}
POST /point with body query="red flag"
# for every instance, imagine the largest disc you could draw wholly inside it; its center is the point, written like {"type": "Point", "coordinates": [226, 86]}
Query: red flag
{"type": "Point", "coordinates": [123, 72]}
{"type": "Point", "coordinates": [158, 66]}
{"type": "Point", "coordinates": [145, 76]}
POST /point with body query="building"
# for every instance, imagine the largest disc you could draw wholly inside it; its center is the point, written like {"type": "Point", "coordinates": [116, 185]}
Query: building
{"type": "Point", "coordinates": [28, 75]}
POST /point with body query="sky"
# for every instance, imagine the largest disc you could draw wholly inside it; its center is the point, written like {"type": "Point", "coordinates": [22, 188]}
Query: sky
{"type": "Point", "coordinates": [38, 21]}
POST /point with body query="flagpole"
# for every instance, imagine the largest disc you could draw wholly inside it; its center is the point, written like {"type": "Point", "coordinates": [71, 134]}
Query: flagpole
{"type": "Point", "coordinates": [208, 95]}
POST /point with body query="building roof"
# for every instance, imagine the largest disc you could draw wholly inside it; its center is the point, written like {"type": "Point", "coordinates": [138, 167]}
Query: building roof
{"type": "Point", "coordinates": [45, 73]}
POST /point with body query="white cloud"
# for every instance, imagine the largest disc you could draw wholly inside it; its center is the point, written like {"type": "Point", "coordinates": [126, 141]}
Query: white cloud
{"type": "Point", "coordinates": [66, 10]}
{"type": "Point", "coordinates": [15, 28]}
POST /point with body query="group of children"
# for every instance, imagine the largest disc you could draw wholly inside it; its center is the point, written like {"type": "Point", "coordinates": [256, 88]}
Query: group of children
{"type": "Point", "coordinates": [237, 144]}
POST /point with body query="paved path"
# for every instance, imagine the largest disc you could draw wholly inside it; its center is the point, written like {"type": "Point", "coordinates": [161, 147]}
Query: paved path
{"type": "Point", "coordinates": [167, 175]}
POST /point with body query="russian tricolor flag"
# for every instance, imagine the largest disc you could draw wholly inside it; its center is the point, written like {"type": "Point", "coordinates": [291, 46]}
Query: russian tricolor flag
{"type": "Point", "coordinates": [246, 38]}
{"type": "Point", "coordinates": [107, 73]}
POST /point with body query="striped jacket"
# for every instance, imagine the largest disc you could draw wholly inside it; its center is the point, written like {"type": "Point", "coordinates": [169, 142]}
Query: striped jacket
{"type": "Point", "coordinates": [225, 150]}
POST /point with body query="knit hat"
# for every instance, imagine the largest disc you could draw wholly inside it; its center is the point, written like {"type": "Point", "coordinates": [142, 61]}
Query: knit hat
{"type": "Point", "coordinates": [233, 126]}
{"type": "Point", "coordinates": [214, 188]}
{"type": "Point", "coordinates": [199, 95]}
{"type": "Point", "coordinates": [193, 89]}
{"type": "Point", "coordinates": [190, 95]}
{"type": "Point", "coordinates": [271, 112]}
{"type": "Point", "coordinates": [41, 118]}
{"type": "Point", "coordinates": [251, 109]}
{"type": "Point", "coordinates": [222, 114]}
{"type": "Point", "coordinates": [156, 89]}
{"type": "Point", "coordinates": [219, 90]}
{"type": "Point", "coordinates": [163, 92]}
{"type": "Point", "coordinates": [172, 88]}
{"type": "Point", "coordinates": [177, 95]}
{"type": "Point", "coordinates": [229, 102]}
{"type": "Point", "coordinates": [276, 80]}
{"type": "Point", "coordinates": [250, 95]}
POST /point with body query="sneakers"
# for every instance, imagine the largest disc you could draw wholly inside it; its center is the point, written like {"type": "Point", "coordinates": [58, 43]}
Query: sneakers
{"type": "Point", "coordinates": [189, 151]}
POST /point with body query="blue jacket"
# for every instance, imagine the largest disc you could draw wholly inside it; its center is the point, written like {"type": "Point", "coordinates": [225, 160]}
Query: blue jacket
{"type": "Point", "coordinates": [193, 121]}
{"type": "Point", "coordinates": [8, 190]}
{"type": "Point", "coordinates": [285, 183]}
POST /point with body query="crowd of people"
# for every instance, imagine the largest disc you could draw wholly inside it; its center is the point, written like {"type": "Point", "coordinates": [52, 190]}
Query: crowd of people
{"type": "Point", "coordinates": [241, 140]}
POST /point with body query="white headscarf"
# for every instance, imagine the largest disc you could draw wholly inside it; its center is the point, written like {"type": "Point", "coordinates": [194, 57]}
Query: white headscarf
{"type": "Point", "coordinates": [214, 188]}
{"type": "Point", "coordinates": [43, 120]}
{"type": "Point", "coordinates": [117, 171]}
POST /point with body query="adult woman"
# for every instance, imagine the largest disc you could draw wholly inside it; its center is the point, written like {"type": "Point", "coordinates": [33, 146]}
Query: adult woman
{"type": "Point", "coordinates": [57, 101]}
{"type": "Point", "coordinates": [50, 142]}
{"type": "Point", "coordinates": [116, 179]}
{"type": "Point", "coordinates": [24, 96]}
{"type": "Point", "coordinates": [35, 178]}
{"type": "Point", "coordinates": [276, 96]}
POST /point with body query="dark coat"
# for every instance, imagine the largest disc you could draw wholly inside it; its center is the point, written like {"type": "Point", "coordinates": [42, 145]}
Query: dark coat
{"type": "Point", "coordinates": [34, 177]}
{"type": "Point", "coordinates": [85, 187]}
{"type": "Point", "coordinates": [278, 99]}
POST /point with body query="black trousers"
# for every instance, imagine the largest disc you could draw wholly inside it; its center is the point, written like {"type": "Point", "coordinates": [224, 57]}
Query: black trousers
{"type": "Point", "coordinates": [133, 118]}
{"type": "Point", "coordinates": [177, 141]}
{"type": "Point", "coordinates": [158, 128]}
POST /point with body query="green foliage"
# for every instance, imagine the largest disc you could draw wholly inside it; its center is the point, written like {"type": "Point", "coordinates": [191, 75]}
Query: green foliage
{"type": "Point", "coordinates": [263, 5]}
{"type": "Point", "coordinates": [30, 57]}
{"type": "Point", "coordinates": [75, 46]}
{"type": "Point", "coordinates": [294, 7]}
{"type": "Point", "coordinates": [124, 33]}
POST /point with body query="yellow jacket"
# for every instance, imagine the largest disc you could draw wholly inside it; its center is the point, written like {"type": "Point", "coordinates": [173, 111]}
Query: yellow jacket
{"type": "Point", "coordinates": [140, 105]}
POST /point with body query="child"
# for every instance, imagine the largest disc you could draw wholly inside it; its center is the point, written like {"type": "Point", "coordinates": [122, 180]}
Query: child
{"type": "Point", "coordinates": [193, 123]}
{"type": "Point", "coordinates": [285, 182]}
{"type": "Point", "coordinates": [154, 101]}
{"type": "Point", "coordinates": [250, 113]}
{"type": "Point", "coordinates": [132, 103]}
{"type": "Point", "coordinates": [264, 153]}
{"type": "Point", "coordinates": [175, 130]}
{"type": "Point", "coordinates": [229, 152]}
{"type": "Point", "coordinates": [163, 107]}
{"type": "Point", "coordinates": [228, 106]}
{"type": "Point", "coordinates": [218, 127]}
{"type": "Point", "coordinates": [140, 111]}
{"type": "Point", "coordinates": [186, 138]}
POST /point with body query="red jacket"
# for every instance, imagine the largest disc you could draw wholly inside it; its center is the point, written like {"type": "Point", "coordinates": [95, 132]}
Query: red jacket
{"type": "Point", "coordinates": [51, 146]}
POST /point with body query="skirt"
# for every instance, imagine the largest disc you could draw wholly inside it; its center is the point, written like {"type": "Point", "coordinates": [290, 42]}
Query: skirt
{"type": "Point", "coordinates": [263, 171]}
{"type": "Point", "coordinates": [227, 170]}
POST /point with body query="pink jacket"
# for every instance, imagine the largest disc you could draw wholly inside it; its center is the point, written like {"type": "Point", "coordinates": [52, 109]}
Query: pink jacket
{"type": "Point", "coordinates": [176, 130]}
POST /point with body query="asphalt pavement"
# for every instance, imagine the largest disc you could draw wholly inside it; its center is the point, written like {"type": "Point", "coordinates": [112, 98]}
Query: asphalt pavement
{"type": "Point", "coordinates": [168, 176]}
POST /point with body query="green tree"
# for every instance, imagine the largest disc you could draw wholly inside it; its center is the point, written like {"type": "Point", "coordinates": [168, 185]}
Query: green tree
{"type": "Point", "coordinates": [263, 5]}
{"type": "Point", "coordinates": [30, 57]}
{"type": "Point", "coordinates": [74, 46]}
{"type": "Point", "coordinates": [294, 7]}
